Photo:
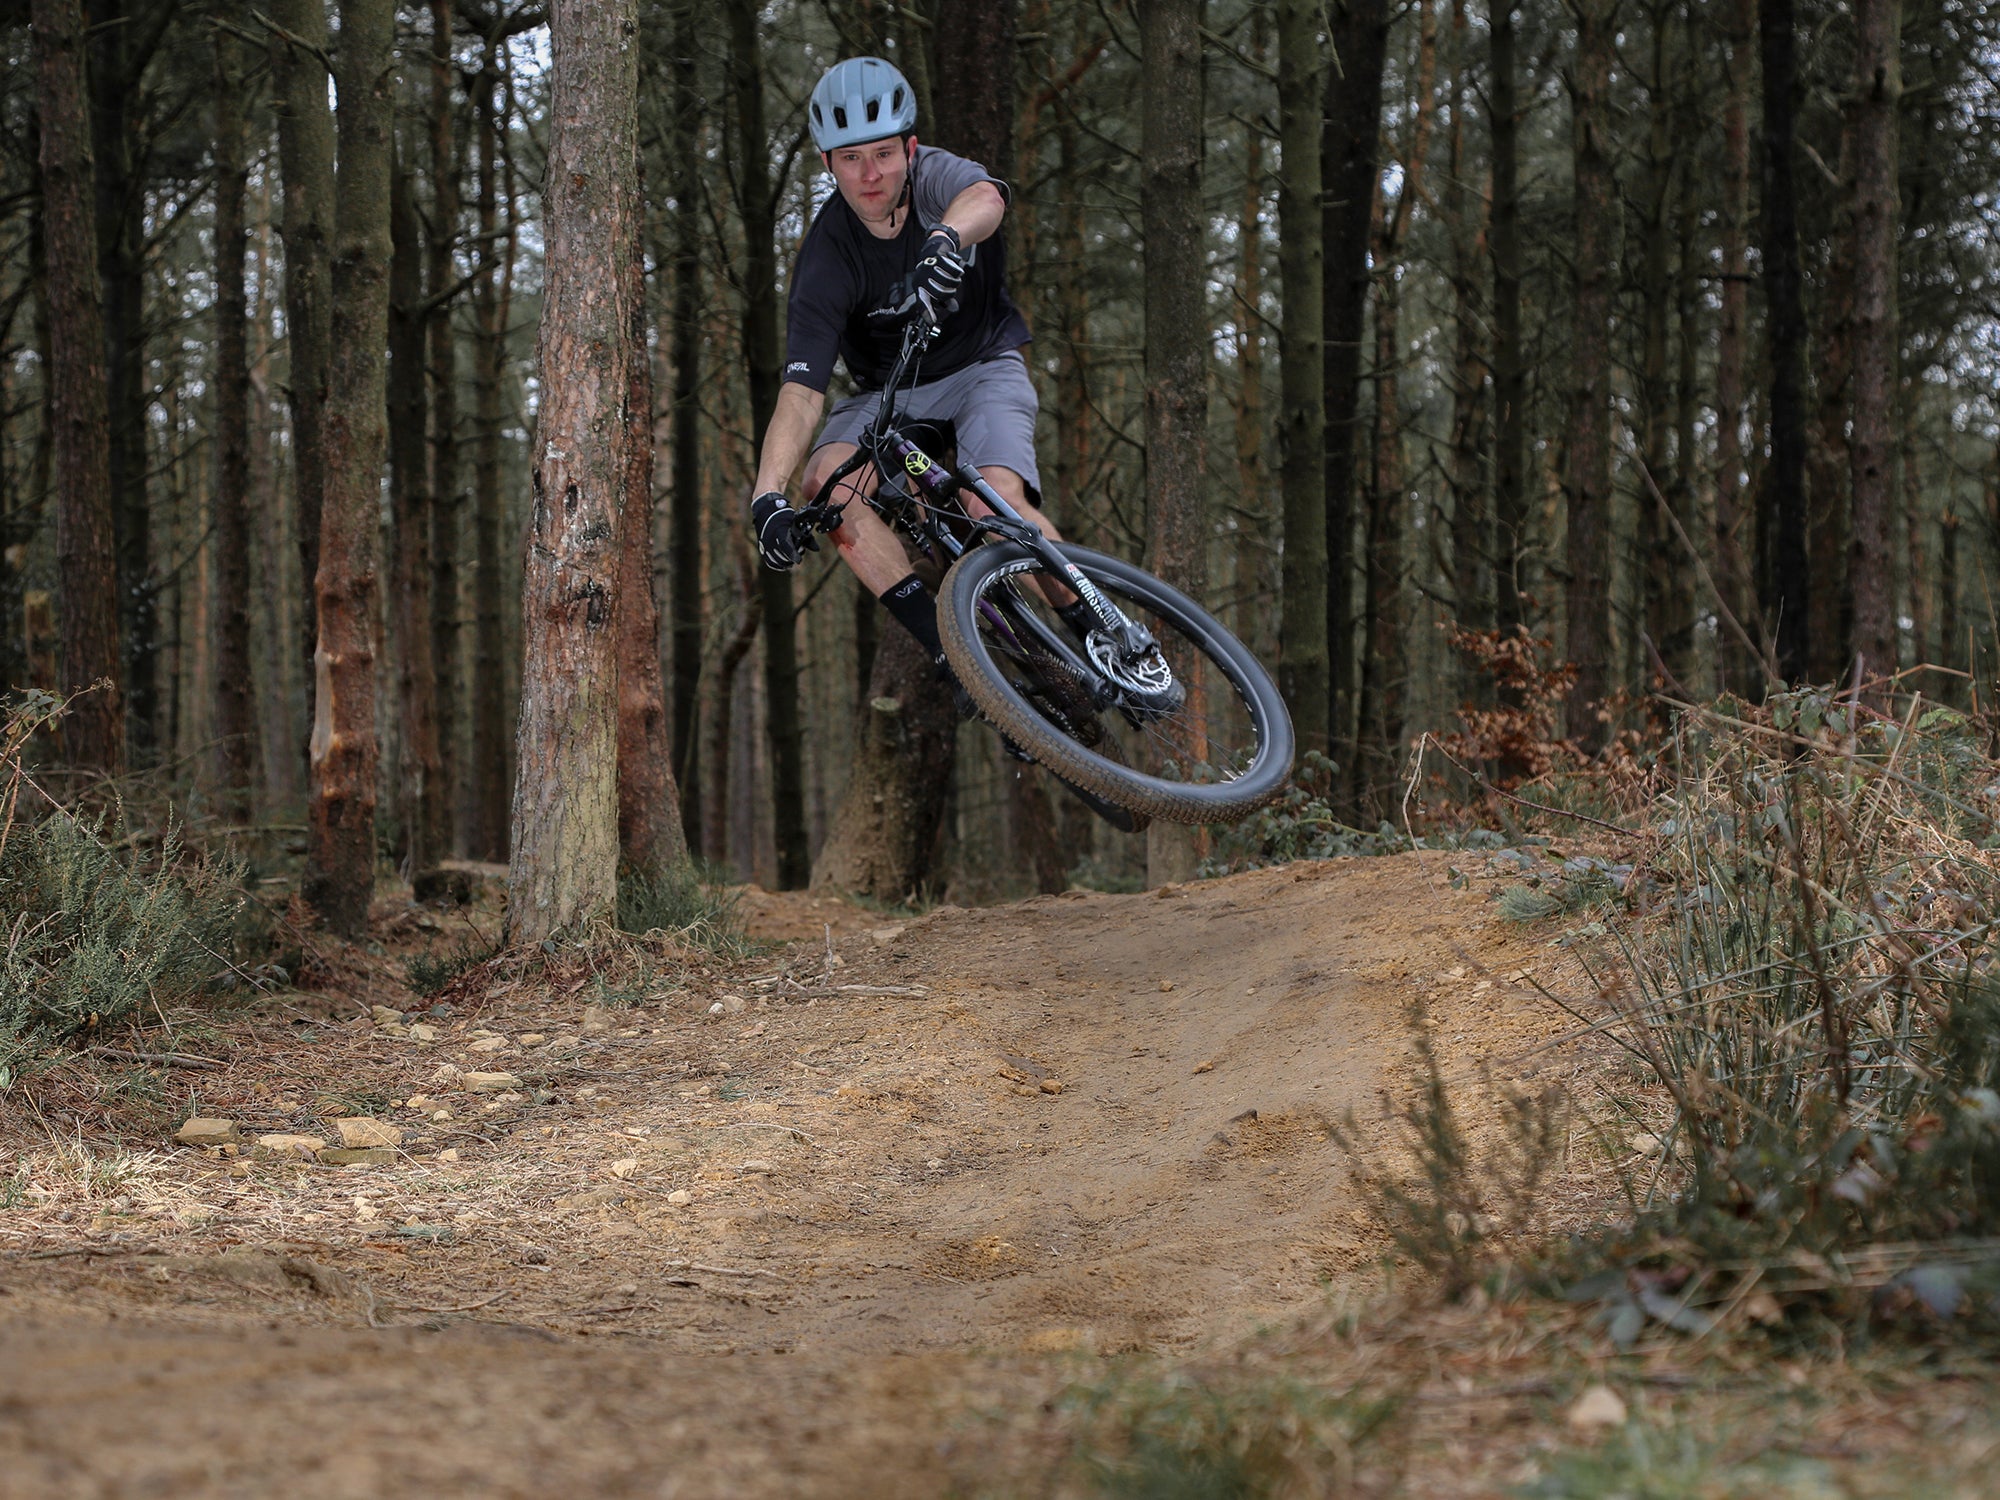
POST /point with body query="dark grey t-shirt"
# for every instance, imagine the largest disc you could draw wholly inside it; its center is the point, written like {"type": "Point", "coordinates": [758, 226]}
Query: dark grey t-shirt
{"type": "Point", "coordinates": [844, 272]}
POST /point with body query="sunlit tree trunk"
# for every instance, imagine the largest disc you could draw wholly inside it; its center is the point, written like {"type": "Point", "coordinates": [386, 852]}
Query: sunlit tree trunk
{"type": "Point", "coordinates": [563, 868]}
{"type": "Point", "coordinates": [340, 855]}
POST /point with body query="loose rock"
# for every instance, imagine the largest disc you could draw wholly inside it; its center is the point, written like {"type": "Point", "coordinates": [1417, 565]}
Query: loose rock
{"type": "Point", "coordinates": [290, 1145]}
{"type": "Point", "coordinates": [1051, 1086]}
{"type": "Point", "coordinates": [624, 1167]}
{"type": "Point", "coordinates": [370, 1156]}
{"type": "Point", "coordinates": [365, 1131]}
{"type": "Point", "coordinates": [423, 1031]}
{"type": "Point", "coordinates": [384, 1016]}
{"type": "Point", "coordinates": [756, 1167]}
{"type": "Point", "coordinates": [1597, 1407]}
{"type": "Point", "coordinates": [680, 1197]}
{"type": "Point", "coordinates": [204, 1131]}
{"type": "Point", "coordinates": [596, 1018]}
{"type": "Point", "coordinates": [491, 1083]}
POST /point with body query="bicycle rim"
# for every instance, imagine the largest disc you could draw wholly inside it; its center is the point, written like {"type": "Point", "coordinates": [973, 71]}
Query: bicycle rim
{"type": "Point", "coordinates": [1223, 749]}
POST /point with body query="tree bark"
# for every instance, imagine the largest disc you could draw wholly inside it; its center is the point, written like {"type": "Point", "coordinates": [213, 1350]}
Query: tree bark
{"type": "Point", "coordinates": [1471, 516]}
{"type": "Point", "coordinates": [757, 201]}
{"type": "Point", "coordinates": [1829, 440]}
{"type": "Point", "coordinates": [885, 829]}
{"type": "Point", "coordinates": [686, 520]}
{"type": "Point", "coordinates": [1351, 150]}
{"type": "Point", "coordinates": [1177, 341]}
{"type": "Point", "coordinates": [420, 791]}
{"type": "Point", "coordinates": [1510, 373]}
{"type": "Point", "coordinates": [1304, 667]}
{"type": "Point", "coordinates": [305, 158]}
{"type": "Point", "coordinates": [340, 857]}
{"type": "Point", "coordinates": [119, 56]}
{"type": "Point", "coordinates": [447, 499]}
{"type": "Point", "coordinates": [650, 838]}
{"type": "Point", "coordinates": [235, 727]}
{"type": "Point", "coordinates": [1736, 672]}
{"type": "Point", "coordinates": [1871, 568]}
{"type": "Point", "coordinates": [564, 866]}
{"type": "Point", "coordinates": [1784, 475]}
{"type": "Point", "coordinates": [491, 302]}
{"type": "Point", "coordinates": [973, 53]}
{"type": "Point", "coordinates": [1587, 484]}
{"type": "Point", "coordinates": [94, 732]}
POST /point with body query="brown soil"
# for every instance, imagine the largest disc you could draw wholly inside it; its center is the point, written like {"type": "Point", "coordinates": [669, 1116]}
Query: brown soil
{"type": "Point", "coordinates": [933, 1179]}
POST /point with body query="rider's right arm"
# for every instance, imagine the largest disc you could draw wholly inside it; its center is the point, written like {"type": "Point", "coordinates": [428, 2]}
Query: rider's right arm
{"type": "Point", "coordinates": [788, 437]}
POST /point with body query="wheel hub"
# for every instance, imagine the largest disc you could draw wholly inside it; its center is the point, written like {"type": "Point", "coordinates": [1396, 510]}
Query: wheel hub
{"type": "Point", "coordinates": [1145, 681]}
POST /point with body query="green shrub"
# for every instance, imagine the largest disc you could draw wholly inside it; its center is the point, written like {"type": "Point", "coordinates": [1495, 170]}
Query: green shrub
{"type": "Point", "coordinates": [1188, 1435]}
{"type": "Point", "coordinates": [427, 974]}
{"type": "Point", "coordinates": [94, 934]}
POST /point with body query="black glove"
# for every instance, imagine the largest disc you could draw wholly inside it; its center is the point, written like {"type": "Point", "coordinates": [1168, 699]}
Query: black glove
{"type": "Point", "coordinates": [779, 535]}
{"type": "Point", "coordinates": [940, 273]}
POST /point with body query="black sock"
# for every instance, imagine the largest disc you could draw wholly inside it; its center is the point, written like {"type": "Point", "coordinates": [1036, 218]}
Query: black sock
{"type": "Point", "coordinates": [916, 611]}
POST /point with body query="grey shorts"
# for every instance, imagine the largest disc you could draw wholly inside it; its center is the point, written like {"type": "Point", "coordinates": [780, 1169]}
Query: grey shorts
{"type": "Point", "coordinates": [992, 404]}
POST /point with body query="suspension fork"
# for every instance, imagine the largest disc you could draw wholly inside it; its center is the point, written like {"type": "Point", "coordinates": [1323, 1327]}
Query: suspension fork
{"type": "Point", "coordinates": [1133, 639]}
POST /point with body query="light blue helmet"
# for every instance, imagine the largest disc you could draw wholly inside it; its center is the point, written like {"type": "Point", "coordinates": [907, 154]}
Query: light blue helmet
{"type": "Point", "coordinates": [860, 100]}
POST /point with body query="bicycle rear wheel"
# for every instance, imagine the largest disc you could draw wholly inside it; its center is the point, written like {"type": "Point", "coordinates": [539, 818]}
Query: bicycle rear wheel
{"type": "Point", "coordinates": [1213, 750]}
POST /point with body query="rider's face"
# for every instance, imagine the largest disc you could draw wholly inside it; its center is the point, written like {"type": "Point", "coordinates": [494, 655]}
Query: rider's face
{"type": "Point", "coordinates": [871, 177]}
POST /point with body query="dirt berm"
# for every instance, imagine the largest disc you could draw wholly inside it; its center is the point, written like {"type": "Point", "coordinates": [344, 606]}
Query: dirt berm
{"type": "Point", "coordinates": [782, 1228]}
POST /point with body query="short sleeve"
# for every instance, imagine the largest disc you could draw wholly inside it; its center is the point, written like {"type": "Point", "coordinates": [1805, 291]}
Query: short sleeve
{"type": "Point", "coordinates": [940, 177]}
{"type": "Point", "coordinates": [815, 312]}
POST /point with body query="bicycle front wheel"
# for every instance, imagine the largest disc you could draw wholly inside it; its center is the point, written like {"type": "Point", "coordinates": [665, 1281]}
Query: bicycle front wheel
{"type": "Point", "coordinates": [1212, 748]}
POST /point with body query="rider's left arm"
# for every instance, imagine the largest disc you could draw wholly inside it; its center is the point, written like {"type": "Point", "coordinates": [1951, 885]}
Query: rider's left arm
{"type": "Point", "coordinates": [976, 212]}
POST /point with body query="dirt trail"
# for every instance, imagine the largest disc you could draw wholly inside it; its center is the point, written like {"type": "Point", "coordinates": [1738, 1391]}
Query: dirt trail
{"type": "Point", "coordinates": [1083, 1123]}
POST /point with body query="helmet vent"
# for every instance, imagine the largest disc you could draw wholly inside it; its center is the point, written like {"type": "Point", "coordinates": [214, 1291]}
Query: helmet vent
{"type": "Point", "coordinates": [874, 110]}
{"type": "Point", "coordinates": [896, 101]}
{"type": "Point", "coordinates": [840, 116]}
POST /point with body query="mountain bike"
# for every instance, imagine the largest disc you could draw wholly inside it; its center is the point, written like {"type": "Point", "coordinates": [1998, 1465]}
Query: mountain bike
{"type": "Point", "coordinates": [1140, 700]}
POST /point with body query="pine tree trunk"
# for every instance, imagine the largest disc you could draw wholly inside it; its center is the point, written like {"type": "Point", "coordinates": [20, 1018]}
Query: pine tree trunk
{"type": "Point", "coordinates": [490, 313]}
{"type": "Point", "coordinates": [880, 842]}
{"type": "Point", "coordinates": [1510, 372]}
{"type": "Point", "coordinates": [1587, 484]}
{"type": "Point", "coordinates": [1177, 342]}
{"type": "Point", "coordinates": [686, 521]}
{"type": "Point", "coordinates": [1304, 667]}
{"type": "Point", "coordinates": [1245, 548]}
{"type": "Point", "coordinates": [1471, 518]}
{"type": "Point", "coordinates": [564, 866]}
{"type": "Point", "coordinates": [305, 157]}
{"type": "Point", "coordinates": [650, 838]}
{"type": "Point", "coordinates": [94, 732]}
{"type": "Point", "coordinates": [340, 857]}
{"type": "Point", "coordinates": [1871, 569]}
{"type": "Point", "coordinates": [420, 789]}
{"type": "Point", "coordinates": [1736, 672]}
{"type": "Point", "coordinates": [118, 60]}
{"type": "Point", "coordinates": [1784, 499]}
{"type": "Point", "coordinates": [1830, 438]}
{"type": "Point", "coordinates": [1350, 153]}
{"type": "Point", "coordinates": [447, 499]}
{"type": "Point", "coordinates": [757, 201]}
{"type": "Point", "coordinates": [235, 727]}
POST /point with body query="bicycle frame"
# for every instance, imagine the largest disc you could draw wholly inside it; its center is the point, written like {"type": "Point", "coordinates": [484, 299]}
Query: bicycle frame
{"type": "Point", "coordinates": [891, 450]}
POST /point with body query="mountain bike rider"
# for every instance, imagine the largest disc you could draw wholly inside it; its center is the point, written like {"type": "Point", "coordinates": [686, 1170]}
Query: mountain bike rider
{"type": "Point", "coordinates": [912, 230]}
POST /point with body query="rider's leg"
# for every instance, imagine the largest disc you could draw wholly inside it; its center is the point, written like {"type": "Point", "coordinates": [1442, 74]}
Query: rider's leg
{"type": "Point", "coordinates": [1014, 490]}
{"type": "Point", "coordinates": [872, 551]}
